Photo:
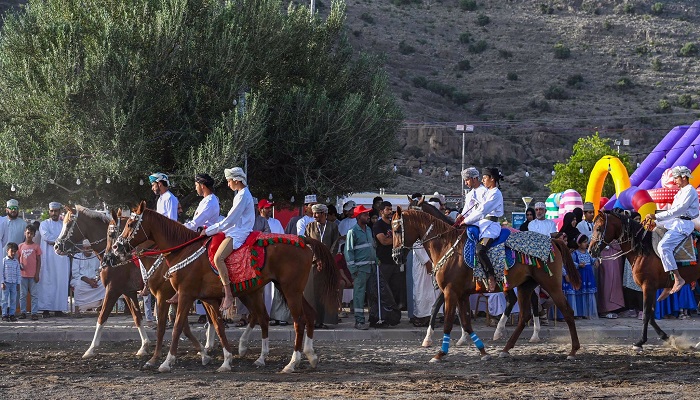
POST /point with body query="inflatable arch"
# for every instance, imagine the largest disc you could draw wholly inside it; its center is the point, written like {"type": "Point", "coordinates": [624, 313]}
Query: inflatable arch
{"type": "Point", "coordinates": [605, 165]}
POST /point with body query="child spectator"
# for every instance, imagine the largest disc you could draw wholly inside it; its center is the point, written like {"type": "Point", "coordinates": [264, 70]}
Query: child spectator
{"type": "Point", "coordinates": [585, 297]}
{"type": "Point", "coordinates": [30, 260]}
{"type": "Point", "coordinates": [10, 279]}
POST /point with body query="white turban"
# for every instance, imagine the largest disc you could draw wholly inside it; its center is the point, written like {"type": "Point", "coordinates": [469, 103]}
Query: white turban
{"type": "Point", "coordinates": [681, 170]}
{"type": "Point", "coordinates": [236, 174]}
{"type": "Point", "coordinates": [470, 172]}
{"type": "Point", "coordinates": [54, 205]}
{"type": "Point", "coordinates": [319, 208]}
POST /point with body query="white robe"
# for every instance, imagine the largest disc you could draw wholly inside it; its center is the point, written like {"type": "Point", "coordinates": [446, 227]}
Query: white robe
{"type": "Point", "coordinates": [167, 205]}
{"type": "Point", "coordinates": [240, 219]}
{"type": "Point", "coordinates": [685, 204]}
{"type": "Point", "coordinates": [207, 213]}
{"type": "Point", "coordinates": [55, 270]}
{"type": "Point", "coordinates": [424, 293]}
{"type": "Point", "coordinates": [86, 296]}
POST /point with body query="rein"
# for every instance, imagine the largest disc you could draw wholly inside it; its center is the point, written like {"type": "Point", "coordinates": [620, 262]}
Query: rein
{"type": "Point", "coordinates": [622, 239]}
{"type": "Point", "coordinates": [398, 223]}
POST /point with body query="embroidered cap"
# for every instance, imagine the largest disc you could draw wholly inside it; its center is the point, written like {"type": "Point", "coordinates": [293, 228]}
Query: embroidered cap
{"type": "Point", "coordinates": [310, 199]}
{"type": "Point", "coordinates": [588, 206]}
{"type": "Point", "coordinates": [541, 205]}
{"type": "Point", "coordinates": [319, 208]}
{"type": "Point", "coordinates": [54, 205]}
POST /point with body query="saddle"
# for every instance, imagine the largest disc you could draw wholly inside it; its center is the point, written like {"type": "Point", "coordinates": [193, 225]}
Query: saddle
{"type": "Point", "coordinates": [686, 252]}
{"type": "Point", "coordinates": [496, 254]}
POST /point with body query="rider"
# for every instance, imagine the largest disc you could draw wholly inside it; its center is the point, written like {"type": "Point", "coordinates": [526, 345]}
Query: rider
{"type": "Point", "coordinates": [237, 225]}
{"type": "Point", "coordinates": [167, 202]}
{"type": "Point", "coordinates": [474, 197]}
{"type": "Point", "coordinates": [207, 212]}
{"type": "Point", "coordinates": [485, 215]}
{"type": "Point", "coordinates": [678, 220]}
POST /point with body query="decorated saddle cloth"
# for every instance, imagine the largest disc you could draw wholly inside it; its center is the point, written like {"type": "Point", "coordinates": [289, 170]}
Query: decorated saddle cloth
{"type": "Point", "coordinates": [496, 254]}
{"type": "Point", "coordinates": [529, 248]}
{"type": "Point", "coordinates": [245, 263]}
{"type": "Point", "coordinates": [685, 254]}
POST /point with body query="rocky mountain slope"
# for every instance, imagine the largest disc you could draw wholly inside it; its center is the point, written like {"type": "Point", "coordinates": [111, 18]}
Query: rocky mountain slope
{"type": "Point", "coordinates": [532, 77]}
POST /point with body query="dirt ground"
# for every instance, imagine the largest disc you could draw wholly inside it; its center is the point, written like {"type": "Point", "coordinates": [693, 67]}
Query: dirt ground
{"type": "Point", "coordinates": [353, 370]}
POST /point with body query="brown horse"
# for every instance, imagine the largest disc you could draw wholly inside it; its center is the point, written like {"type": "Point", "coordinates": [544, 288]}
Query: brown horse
{"type": "Point", "coordinates": [457, 282]}
{"type": "Point", "coordinates": [81, 223]}
{"type": "Point", "coordinates": [635, 243]}
{"type": "Point", "coordinates": [192, 276]}
{"type": "Point", "coordinates": [511, 297]}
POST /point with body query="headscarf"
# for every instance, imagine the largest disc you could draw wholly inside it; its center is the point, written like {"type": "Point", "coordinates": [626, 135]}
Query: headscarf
{"type": "Point", "coordinates": [205, 180]}
{"type": "Point", "coordinates": [319, 208]}
{"type": "Point", "coordinates": [236, 174]}
{"type": "Point", "coordinates": [470, 172]}
{"type": "Point", "coordinates": [572, 232]}
{"type": "Point", "coordinates": [578, 212]}
{"type": "Point", "coordinates": [681, 170]}
{"type": "Point", "coordinates": [159, 177]}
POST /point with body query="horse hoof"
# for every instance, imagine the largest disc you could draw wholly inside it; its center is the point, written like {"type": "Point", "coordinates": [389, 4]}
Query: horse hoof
{"type": "Point", "coordinates": [163, 369]}
{"type": "Point", "coordinates": [437, 359]}
{"type": "Point", "coordinates": [287, 370]}
{"type": "Point", "coordinates": [638, 349]}
{"type": "Point", "coordinates": [428, 343]}
{"type": "Point", "coordinates": [141, 353]}
{"type": "Point", "coordinates": [242, 352]}
{"type": "Point", "coordinates": [570, 358]}
{"type": "Point", "coordinates": [497, 336]}
{"type": "Point", "coordinates": [206, 359]}
{"type": "Point", "coordinates": [149, 365]}
{"type": "Point", "coordinates": [534, 339]}
{"type": "Point", "coordinates": [697, 346]}
{"type": "Point", "coordinates": [461, 342]}
{"type": "Point", "coordinates": [259, 362]}
{"type": "Point", "coordinates": [504, 354]}
{"type": "Point", "coordinates": [224, 369]}
{"type": "Point", "coordinates": [486, 357]}
{"type": "Point", "coordinates": [89, 354]}
{"type": "Point", "coordinates": [313, 361]}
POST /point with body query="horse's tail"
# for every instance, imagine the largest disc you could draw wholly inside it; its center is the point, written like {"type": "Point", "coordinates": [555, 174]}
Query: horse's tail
{"type": "Point", "coordinates": [568, 264]}
{"type": "Point", "coordinates": [328, 275]}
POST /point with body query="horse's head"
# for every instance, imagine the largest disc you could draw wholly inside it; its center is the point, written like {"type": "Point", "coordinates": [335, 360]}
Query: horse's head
{"type": "Point", "coordinates": [400, 250]}
{"type": "Point", "coordinates": [415, 203]}
{"type": "Point", "coordinates": [133, 233]}
{"type": "Point", "coordinates": [607, 227]}
{"type": "Point", "coordinates": [68, 240]}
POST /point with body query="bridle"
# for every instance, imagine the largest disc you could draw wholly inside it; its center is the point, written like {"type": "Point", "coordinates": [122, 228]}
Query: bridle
{"type": "Point", "coordinates": [624, 238]}
{"type": "Point", "coordinates": [399, 224]}
{"type": "Point", "coordinates": [126, 241]}
{"type": "Point", "coordinates": [72, 224]}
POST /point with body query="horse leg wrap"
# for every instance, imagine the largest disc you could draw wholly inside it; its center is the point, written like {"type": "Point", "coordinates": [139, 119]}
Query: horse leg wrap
{"type": "Point", "coordinates": [445, 343]}
{"type": "Point", "coordinates": [477, 341]}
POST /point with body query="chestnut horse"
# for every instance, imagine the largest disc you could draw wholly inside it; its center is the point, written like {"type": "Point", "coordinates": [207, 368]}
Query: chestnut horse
{"type": "Point", "coordinates": [81, 223]}
{"type": "Point", "coordinates": [444, 246]}
{"type": "Point", "coordinates": [511, 297]}
{"type": "Point", "coordinates": [192, 276]}
{"type": "Point", "coordinates": [635, 243]}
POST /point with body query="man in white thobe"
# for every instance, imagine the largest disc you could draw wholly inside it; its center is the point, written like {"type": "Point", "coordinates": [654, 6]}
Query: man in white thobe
{"type": "Point", "coordinates": [308, 217]}
{"type": "Point", "coordinates": [475, 196]}
{"type": "Point", "coordinates": [88, 291]}
{"type": "Point", "coordinates": [167, 202]}
{"type": "Point", "coordinates": [424, 293]}
{"type": "Point", "coordinates": [13, 225]}
{"type": "Point", "coordinates": [540, 224]}
{"type": "Point", "coordinates": [55, 269]}
{"type": "Point", "coordinates": [678, 219]}
{"type": "Point", "coordinates": [207, 212]}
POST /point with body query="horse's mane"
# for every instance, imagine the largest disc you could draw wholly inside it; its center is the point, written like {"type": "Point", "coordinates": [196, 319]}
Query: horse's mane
{"type": "Point", "coordinates": [641, 237]}
{"type": "Point", "coordinates": [170, 228]}
{"type": "Point", "coordinates": [426, 219]}
{"type": "Point", "coordinates": [93, 214]}
{"type": "Point", "coordinates": [432, 210]}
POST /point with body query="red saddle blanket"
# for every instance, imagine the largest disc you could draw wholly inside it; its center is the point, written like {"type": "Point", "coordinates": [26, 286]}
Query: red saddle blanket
{"type": "Point", "coordinates": [245, 263]}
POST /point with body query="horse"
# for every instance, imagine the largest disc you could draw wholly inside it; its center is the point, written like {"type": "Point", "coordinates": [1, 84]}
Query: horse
{"type": "Point", "coordinates": [635, 243]}
{"type": "Point", "coordinates": [458, 283]}
{"type": "Point", "coordinates": [288, 265]}
{"type": "Point", "coordinates": [511, 298]}
{"type": "Point", "coordinates": [81, 223]}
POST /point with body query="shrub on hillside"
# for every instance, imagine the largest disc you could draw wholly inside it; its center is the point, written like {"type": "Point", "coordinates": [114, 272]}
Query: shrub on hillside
{"type": "Point", "coordinates": [624, 83]}
{"type": "Point", "coordinates": [689, 50]}
{"type": "Point", "coordinates": [464, 65]}
{"type": "Point", "coordinates": [664, 106]}
{"type": "Point", "coordinates": [657, 8]}
{"type": "Point", "coordinates": [575, 81]}
{"type": "Point", "coordinates": [478, 47]}
{"type": "Point", "coordinates": [656, 64]}
{"type": "Point", "coordinates": [685, 101]}
{"type": "Point", "coordinates": [405, 48]}
{"type": "Point", "coordinates": [465, 37]}
{"type": "Point", "coordinates": [512, 76]}
{"type": "Point", "coordinates": [467, 5]}
{"type": "Point", "coordinates": [546, 8]}
{"type": "Point", "coordinates": [505, 54]}
{"type": "Point", "coordinates": [555, 92]}
{"type": "Point", "coordinates": [561, 52]}
{"type": "Point", "coordinates": [419, 81]}
{"type": "Point", "coordinates": [483, 20]}
{"type": "Point", "coordinates": [540, 105]}
{"type": "Point", "coordinates": [405, 2]}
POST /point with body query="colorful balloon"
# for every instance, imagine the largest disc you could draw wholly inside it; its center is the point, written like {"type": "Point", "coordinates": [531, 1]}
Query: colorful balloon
{"type": "Point", "coordinates": [570, 199]}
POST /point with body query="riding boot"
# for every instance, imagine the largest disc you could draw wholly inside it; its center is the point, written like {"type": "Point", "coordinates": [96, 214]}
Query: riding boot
{"type": "Point", "coordinates": [482, 249]}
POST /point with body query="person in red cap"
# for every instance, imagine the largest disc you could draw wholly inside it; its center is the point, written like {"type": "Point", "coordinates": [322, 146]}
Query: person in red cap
{"type": "Point", "coordinates": [361, 259]}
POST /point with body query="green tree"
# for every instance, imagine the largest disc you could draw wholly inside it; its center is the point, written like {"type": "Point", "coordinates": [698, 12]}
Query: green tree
{"type": "Point", "coordinates": [104, 89]}
{"type": "Point", "coordinates": [586, 153]}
